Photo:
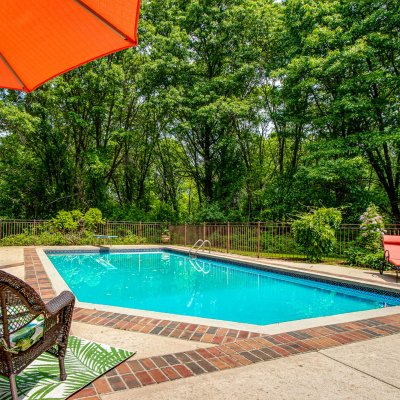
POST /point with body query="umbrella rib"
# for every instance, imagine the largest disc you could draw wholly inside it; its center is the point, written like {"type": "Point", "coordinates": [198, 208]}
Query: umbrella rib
{"type": "Point", "coordinates": [16, 76]}
{"type": "Point", "coordinates": [103, 20]}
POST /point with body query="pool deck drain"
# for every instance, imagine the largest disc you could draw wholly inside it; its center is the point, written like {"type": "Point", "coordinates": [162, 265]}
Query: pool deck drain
{"type": "Point", "coordinates": [234, 348]}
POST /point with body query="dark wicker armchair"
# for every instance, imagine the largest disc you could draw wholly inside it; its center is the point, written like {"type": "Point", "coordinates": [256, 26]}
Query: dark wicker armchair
{"type": "Point", "coordinates": [21, 307]}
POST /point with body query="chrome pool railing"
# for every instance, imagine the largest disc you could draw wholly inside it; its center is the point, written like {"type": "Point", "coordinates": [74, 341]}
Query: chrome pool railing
{"type": "Point", "coordinates": [198, 246]}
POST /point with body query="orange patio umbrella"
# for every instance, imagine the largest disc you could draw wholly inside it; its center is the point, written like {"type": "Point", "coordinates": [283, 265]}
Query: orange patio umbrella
{"type": "Point", "coordinates": [40, 39]}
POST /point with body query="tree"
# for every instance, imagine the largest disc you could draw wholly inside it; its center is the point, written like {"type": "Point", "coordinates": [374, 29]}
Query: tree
{"type": "Point", "coordinates": [244, 110]}
{"type": "Point", "coordinates": [206, 72]}
{"type": "Point", "coordinates": [347, 63]}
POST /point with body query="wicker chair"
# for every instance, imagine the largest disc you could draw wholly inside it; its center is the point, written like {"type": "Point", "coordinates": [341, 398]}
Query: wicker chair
{"type": "Point", "coordinates": [20, 305]}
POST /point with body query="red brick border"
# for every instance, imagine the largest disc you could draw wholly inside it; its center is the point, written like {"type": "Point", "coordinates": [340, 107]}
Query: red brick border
{"type": "Point", "coordinates": [161, 327]}
{"type": "Point", "coordinates": [36, 276]}
{"type": "Point", "coordinates": [235, 348]}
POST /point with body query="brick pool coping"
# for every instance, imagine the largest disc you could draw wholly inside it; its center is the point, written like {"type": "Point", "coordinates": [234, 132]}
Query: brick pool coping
{"type": "Point", "coordinates": [234, 348]}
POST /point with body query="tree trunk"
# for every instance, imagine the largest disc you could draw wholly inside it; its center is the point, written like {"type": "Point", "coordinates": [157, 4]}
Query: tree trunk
{"type": "Point", "coordinates": [208, 189]}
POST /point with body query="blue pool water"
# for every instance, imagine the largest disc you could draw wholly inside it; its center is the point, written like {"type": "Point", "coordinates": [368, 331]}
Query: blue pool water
{"type": "Point", "coordinates": [174, 283]}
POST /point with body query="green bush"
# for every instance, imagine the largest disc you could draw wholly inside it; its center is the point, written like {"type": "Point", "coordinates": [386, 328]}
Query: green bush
{"type": "Point", "coordinates": [130, 239]}
{"type": "Point", "coordinates": [70, 221]}
{"type": "Point", "coordinates": [93, 218]}
{"type": "Point", "coordinates": [369, 252]}
{"type": "Point", "coordinates": [76, 215]}
{"type": "Point", "coordinates": [44, 239]}
{"type": "Point", "coordinates": [315, 232]}
{"type": "Point", "coordinates": [64, 239]}
{"type": "Point", "coordinates": [367, 259]}
{"type": "Point", "coordinates": [16, 240]}
{"type": "Point", "coordinates": [372, 228]}
{"type": "Point", "coordinates": [67, 221]}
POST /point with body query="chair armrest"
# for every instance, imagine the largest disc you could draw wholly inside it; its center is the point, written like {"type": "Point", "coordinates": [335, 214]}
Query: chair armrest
{"type": "Point", "coordinates": [64, 299]}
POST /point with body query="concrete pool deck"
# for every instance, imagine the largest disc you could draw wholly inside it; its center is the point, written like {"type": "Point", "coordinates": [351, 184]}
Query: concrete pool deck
{"type": "Point", "coordinates": [254, 367]}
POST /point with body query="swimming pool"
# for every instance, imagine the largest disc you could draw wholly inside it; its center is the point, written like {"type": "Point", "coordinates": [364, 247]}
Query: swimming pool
{"type": "Point", "coordinates": [170, 282]}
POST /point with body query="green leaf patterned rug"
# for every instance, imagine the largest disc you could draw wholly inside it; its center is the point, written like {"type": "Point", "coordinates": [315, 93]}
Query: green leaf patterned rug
{"type": "Point", "coordinates": [85, 361]}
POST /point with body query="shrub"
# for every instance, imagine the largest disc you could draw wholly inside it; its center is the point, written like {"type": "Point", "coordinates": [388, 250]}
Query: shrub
{"type": "Point", "coordinates": [372, 229]}
{"type": "Point", "coordinates": [315, 232]}
{"type": "Point", "coordinates": [76, 215]}
{"type": "Point", "coordinates": [93, 218]}
{"type": "Point", "coordinates": [17, 240]}
{"type": "Point", "coordinates": [130, 239]}
{"type": "Point", "coordinates": [44, 239]}
{"type": "Point", "coordinates": [66, 221]}
{"type": "Point", "coordinates": [70, 221]}
{"type": "Point", "coordinates": [63, 239]}
{"type": "Point", "coordinates": [51, 239]}
{"type": "Point", "coordinates": [369, 254]}
{"type": "Point", "coordinates": [366, 259]}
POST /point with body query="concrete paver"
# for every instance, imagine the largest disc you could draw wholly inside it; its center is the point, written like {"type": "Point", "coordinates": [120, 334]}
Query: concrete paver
{"type": "Point", "coordinates": [306, 376]}
{"type": "Point", "coordinates": [379, 357]}
{"type": "Point", "coordinates": [11, 255]}
{"type": "Point", "coordinates": [12, 260]}
{"type": "Point", "coordinates": [19, 272]}
{"type": "Point", "coordinates": [389, 277]}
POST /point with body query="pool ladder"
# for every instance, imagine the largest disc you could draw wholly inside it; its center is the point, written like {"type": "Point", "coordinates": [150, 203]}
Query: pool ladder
{"type": "Point", "coordinates": [200, 244]}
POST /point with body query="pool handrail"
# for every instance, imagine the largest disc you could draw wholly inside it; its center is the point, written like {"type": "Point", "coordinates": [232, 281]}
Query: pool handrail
{"type": "Point", "coordinates": [198, 242]}
{"type": "Point", "coordinates": [200, 245]}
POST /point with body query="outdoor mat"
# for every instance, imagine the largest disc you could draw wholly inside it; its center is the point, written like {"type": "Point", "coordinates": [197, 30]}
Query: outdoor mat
{"type": "Point", "coordinates": [85, 361]}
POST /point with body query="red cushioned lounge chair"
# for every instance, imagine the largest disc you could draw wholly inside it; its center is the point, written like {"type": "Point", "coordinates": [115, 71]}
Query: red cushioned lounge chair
{"type": "Point", "coordinates": [391, 245]}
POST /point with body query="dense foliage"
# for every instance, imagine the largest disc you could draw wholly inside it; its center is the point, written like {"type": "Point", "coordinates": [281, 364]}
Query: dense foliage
{"type": "Point", "coordinates": [315, 232]}
{"type": "Point", "coordinates": [68, 228]}
{"type": "Point", "coordinates": [368, 251]}
{"type": "Point", "coordinates": [227, 110]}
{"type": "Point", "coordinates": [372, 229]}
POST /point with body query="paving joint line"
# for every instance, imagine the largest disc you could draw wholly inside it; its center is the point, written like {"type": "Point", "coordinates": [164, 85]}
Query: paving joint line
{"type": "Point", "coordinates": [358, 370]}
{"type": "Point", "coordinates": [18, 264]}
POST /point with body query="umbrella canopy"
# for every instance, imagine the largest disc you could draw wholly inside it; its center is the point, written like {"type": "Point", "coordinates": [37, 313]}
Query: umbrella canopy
{"type": "Point", "coordinates": [40, 39]}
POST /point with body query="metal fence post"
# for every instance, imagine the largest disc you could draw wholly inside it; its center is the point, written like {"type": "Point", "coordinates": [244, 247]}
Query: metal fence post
{"type": "Point", "coordinates": [228, 239]}
{"type": "Point", "coordinates": [140, 230]}
{"type": "Point", "coordinates": [258, 238]}
{"type": "Point", "coordinates": [185, 233]}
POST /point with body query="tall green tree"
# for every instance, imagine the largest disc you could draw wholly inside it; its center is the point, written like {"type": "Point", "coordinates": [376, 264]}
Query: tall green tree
{"type": "Point", "coordinates": [346, 60]}
{"type": "Point", "coordinates": [242, 110]}
{"type": "Point", "coordinates": [204, 68]}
